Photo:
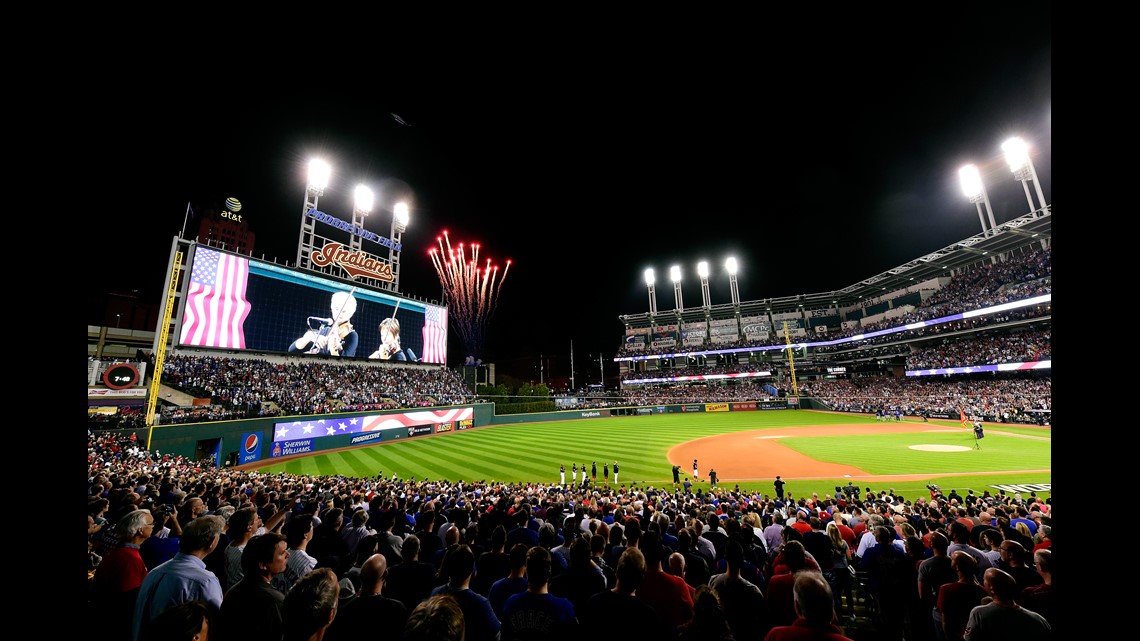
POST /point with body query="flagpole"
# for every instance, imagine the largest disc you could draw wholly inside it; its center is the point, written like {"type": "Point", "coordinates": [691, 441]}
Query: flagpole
{"type": "Point", "coordinates": [185, 218]}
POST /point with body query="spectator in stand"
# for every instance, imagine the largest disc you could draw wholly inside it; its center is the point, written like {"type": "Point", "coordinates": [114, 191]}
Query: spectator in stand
{"type": "Point", "coordinates": [251, 610]}
{"type": "Point", "coordinates": [743, 603]}
{"type": "Point", "coordinates": [311, 605]}
{"type": "Point", "coordinates": [437, 618]}
{"type": "Point", "coordinates": [708, 622]}
{"type": "Point", "coordinates": [481, 622]}
{"type": "Point", "coordinates": [183, 578]}
{"type": "Point", "coordinates": [120, 575]}
{"type": "Point", "coordinates": [1039, 598]}
{"type": "Point", "coordinates": [536, 614]}
{"type": "Point", "coordinates": [957, 599]}
{"type": "Point", "coordinates": [1003, 618]}
{"type": "Point", "coordinates": [188, 621]}
{"type": "Point", "coordinates": [815, 613]}
{"type": "Point", "coordinates": [933, 573]}
{"type": "Point", "coordinates": [668, 595]}
{"type": "Point", "coordinates": [370, 612]}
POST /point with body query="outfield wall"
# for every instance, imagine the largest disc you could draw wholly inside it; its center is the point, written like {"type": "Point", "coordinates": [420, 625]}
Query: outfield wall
{"type": "Point", "coordinates": [249, 441]}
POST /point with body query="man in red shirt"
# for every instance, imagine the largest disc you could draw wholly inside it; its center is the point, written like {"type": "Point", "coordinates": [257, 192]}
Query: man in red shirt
{"type": "Point", "coordinates": [815, 612]}
{"type": "Point", "coordinates": [668, 595]}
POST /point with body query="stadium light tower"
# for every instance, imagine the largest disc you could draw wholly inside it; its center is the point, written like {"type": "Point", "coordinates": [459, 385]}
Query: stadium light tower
{"type": "Point", "coordinates": [362, 200]}
{"type": "Point", "coordinates": [703, 272]}
{"type": "Point", "coordinates": [975, 191]}
{"type": "Point", "coordinates": [675, 276]}
{"type": "Point", "coordinates": [730, 265]}
{"type": "Point", "coordinates": [319, 172]}
{"type": "Point", "coordinates": [399, 225]}
{"type": "Point", "coordinates": [650, 278]}
{"type": "Point", "coordinates": [1017, 155]}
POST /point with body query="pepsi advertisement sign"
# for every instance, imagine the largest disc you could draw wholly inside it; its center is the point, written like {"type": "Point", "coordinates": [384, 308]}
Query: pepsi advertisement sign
{"type": "Point", "coordinates": [250, 448]}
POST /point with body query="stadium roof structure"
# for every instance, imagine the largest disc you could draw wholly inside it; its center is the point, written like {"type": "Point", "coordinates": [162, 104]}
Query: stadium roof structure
{"type": "Point", "coordinates": [1029, 229]}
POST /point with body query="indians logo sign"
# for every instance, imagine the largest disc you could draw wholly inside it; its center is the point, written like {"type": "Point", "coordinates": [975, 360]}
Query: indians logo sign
{"type": "Point", "coordinates": [355, 263]}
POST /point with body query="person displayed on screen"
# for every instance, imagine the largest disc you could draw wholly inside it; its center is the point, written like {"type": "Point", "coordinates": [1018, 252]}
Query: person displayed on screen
{"type": "Point", "coordinates": [389, 341]}
{"type": "Point", "coordinates": [332, 336]}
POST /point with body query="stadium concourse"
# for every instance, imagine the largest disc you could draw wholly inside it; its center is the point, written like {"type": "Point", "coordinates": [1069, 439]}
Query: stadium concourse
{"type": "Point", "coordinates": [686, 556]}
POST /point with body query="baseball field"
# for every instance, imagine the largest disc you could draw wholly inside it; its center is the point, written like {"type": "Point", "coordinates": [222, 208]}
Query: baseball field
{"type": "Point", "coordinates": [812, 451]}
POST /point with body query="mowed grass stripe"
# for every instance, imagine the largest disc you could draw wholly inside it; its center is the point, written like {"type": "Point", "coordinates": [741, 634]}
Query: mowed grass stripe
{"type": "Point", "coordinates": [533, 451]}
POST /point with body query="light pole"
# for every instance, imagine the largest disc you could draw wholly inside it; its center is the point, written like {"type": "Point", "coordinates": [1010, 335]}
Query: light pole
{"type": "Point", "coordinates": [675, 276]}
{"type": "Point", "coordinates": [730, 265]}
{"type": "Point", "coordinates": [399, 225]}
{"type": "Point", "coordinates": [362, 200]}
{"type": "Point", "coordinates": [318, 179]}
{"type": "Point", "coordinates": [703, 272]}
{"type": "Point", "coordinates": [975, 191]}
{"type": "Point", "coordinates": [650, 278]}
{"type": "Point", "coordinates": [117, 321]}
{"type": "Point", "coordinates": [1017, 155]}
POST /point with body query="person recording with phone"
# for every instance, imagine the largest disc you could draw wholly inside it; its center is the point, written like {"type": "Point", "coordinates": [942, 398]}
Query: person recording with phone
{"type": "Point", "coordinates": [331, 336]}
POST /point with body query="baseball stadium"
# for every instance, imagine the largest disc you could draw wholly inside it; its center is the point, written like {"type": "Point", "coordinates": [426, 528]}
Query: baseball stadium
{"type": "Point", "coordinates": [902, 403]}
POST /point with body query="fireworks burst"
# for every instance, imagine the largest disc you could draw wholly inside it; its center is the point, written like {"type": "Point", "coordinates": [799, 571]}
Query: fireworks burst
{"type": "Point", "coordinates": [470, 292]}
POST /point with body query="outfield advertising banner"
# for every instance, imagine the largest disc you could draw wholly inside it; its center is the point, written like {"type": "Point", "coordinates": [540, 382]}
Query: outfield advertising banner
{"type": "Point", "coordinates": [443, 427]}
{"type": "Point", "coordinates": [466, 424]}
{"type": "Point", "coordinates": [716, 407]}
{"type": "Point", "coordinates": [743, 407]}
{"type": "Point", "coordinates": [289, 448]}
{"type": "Point", "coordinates": [692, 408]}
{"type": "Point", "coordinates": [250, 448]}
{"type": "Point", "coordinates": [419, 430]}
{"type": "Point", "coordinates": [595, 413]}
{"type": "Point", "coordinates": [319, 427]}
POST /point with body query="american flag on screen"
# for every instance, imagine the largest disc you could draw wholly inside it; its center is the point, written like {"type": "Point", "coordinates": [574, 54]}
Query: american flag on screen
{"type": "Point", "coordinates": [435, 334]}
{"type": "Point", "coordinates": [216, 307]}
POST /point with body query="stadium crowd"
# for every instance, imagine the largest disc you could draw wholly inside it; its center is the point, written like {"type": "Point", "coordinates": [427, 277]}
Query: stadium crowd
{"type": "Point", "coordinates": [986, 284]}
{"type": "Point", "coordinates": [1004, 398]}
{"type": "Point", "coordinates": [177, 548]}
{"type": "Point", "coordinates": [1007, 347]}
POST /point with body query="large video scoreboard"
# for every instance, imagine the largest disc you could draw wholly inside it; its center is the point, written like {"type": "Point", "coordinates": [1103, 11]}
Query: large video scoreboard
{"type": "Point", "coordinates": [233, 302]}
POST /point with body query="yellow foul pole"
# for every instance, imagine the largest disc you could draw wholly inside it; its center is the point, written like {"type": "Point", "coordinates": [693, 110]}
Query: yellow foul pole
{"type": "Point", "coordinates": [160, 353]}
{"type": "Point", "coordinates": [791, 360]}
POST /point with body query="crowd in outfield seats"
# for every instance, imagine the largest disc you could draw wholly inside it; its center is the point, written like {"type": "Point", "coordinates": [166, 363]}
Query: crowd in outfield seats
{"type": "Point", "coordinates": [1006, 397]}
{"type": "Point", "coordinates": [176, 547]}
{"type": "Point", "coordinates": [1009, 347]}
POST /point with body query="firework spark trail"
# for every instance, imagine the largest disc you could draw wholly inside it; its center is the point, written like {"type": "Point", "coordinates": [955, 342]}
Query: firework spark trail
{"type": "Point", "coordinates": [470, 292]}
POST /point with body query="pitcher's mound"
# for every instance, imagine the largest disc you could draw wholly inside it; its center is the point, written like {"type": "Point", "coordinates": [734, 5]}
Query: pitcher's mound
{"type": "Point", "coordinates": [940, 448]}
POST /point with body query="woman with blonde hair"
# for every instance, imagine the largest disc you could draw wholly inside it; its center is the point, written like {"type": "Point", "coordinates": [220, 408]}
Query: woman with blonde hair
{"type": "Point", "coordinates": [842, 577]}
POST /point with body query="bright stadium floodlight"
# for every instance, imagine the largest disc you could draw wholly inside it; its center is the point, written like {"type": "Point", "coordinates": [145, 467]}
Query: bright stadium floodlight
{"type": "Point", "coordinates": [703, 272]}
{"type": "Point", "coordinates": [400, 217]}
{"type": "Point", "coordinates": [650, 278]}
{"type": "Point", "coordinates": [363, 199]}
{"type": "Point", "coordinates": [730, 265]}
{"type": "Point", "coordinates": [675, 276]}
{"type": "Point", "coordinates": [319, 172]}
{"type": "Point", "coordinates": [975, 191]}
{"type": "Point", "coordinates": [1017, 155]}
{"type": "Point", "coordinates": [316, 182]}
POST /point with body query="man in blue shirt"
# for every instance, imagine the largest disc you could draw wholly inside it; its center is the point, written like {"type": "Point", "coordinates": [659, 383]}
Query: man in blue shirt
{"type": "Point", "coordinates": [183, 578]}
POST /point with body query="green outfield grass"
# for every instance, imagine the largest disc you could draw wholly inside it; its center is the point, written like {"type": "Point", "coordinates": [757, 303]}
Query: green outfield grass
{"type": "Point", "coordinates": [533, 451]}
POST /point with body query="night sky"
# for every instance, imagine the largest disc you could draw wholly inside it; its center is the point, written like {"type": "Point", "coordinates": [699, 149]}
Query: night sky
{"type": "Point", "coordinates": [816, 161]}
